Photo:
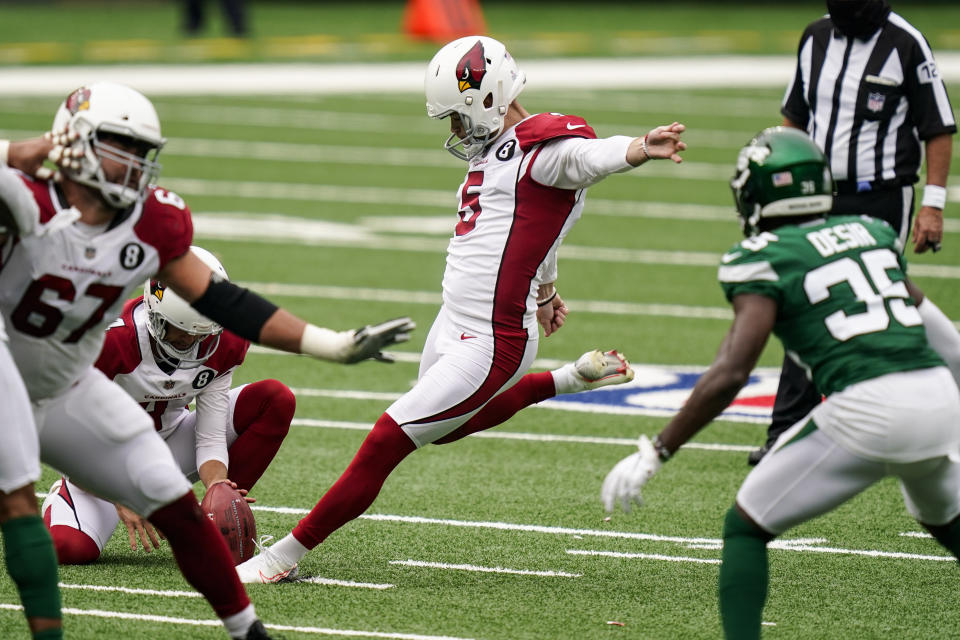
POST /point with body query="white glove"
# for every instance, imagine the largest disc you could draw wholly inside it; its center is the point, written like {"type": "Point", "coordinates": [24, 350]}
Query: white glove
{"type": "Point", "coordinates": [628, 476]}
{"type": "Point", "coordinates": [369, 340]}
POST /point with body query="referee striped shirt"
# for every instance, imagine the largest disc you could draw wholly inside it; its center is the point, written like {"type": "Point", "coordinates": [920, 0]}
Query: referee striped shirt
{"type": "Point", "coordinates": [869, 103]}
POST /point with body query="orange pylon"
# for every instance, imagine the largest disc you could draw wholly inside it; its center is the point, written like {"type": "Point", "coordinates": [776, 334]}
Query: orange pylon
{"type": "Point", "coordinates": [443, 20]}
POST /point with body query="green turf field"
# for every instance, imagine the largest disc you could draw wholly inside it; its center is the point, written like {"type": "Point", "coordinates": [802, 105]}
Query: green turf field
{"type": "Point", "coordinates": [498, 537]}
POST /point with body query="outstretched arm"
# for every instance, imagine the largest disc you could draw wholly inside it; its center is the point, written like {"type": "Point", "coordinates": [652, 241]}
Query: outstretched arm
{"type": "Point", "coordinates": [255, 318]}
{"type": "Point", "coordinates": [661, 143]}
{"type": "Point", "coordinates": [753, 322]}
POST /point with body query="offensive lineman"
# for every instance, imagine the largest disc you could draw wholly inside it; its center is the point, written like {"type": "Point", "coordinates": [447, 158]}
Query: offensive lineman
{"type": "Point", "coordinates": [77, 248]}
{"type": "Point", "coordinates": [835, 291]}
{"type": "Point", "coordinates": [523, 191]}
{"type": "Point", "coordinates": [166, 356]}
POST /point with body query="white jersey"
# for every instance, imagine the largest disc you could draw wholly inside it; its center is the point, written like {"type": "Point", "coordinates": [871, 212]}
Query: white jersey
{"type": "Point", "coordinates": [128, 359]}
{"type": "Point", "coordinates": [62, 282]}
{"type": "Point", "coordinates": [518, 201]}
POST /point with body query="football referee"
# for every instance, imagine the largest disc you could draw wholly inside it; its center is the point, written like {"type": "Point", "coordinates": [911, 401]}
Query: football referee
{"type": "Point", "coordinates": [866, 89]}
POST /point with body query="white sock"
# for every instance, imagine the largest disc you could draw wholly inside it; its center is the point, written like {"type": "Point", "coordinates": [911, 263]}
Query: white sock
{"type": "Point", "coordinates": [290, 550]}
{"type": "Point", "coordinates": [566, 379]}
{"type": "Point", "coordinates": [239, 623]}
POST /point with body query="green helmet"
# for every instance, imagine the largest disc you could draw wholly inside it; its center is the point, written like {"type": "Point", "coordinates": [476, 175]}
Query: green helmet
{"type": "Point", "coordinates": [780, 173]}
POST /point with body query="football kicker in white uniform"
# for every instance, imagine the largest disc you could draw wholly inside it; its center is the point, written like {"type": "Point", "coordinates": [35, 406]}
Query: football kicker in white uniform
{"type": "Point", "coordinates": [524, 189]}
{"type": "Point", "coordinates": [166, 355]}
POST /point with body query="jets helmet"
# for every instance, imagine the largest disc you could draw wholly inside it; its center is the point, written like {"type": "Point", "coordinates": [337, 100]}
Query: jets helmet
{"type": "Point", "coordinates": [476, 78]}
{"type": "Point", "coordinates": [103, 113]}
{"type": "Point", "coordinates": [165, 309]}
{"type": "Point", "coordinates": [780, 173]}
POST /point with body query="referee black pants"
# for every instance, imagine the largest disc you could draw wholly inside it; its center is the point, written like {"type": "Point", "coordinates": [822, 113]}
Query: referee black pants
{"type": "Point", "coordinates": [796, 394]}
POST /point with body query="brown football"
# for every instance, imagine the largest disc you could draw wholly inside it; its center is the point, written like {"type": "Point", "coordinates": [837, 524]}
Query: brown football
{"type": "Point", "coordinates": [232, 516]}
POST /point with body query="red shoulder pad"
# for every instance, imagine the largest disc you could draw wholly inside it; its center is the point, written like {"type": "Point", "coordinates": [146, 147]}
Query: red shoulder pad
{"type": "Point", "coordinates": [41, 194]}
{"type": "Point", "coordinates": [547, 126]}
{"type": "Point", "coordinates": [121, 347]}
{"type": "Point", "coordinates": [165, 224]}
{"type": "Point", "coordinates": [230, 352]}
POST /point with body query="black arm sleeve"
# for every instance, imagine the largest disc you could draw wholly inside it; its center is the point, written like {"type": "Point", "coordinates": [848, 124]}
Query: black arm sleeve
{"type": "Point", "coordinates": [240, 310]}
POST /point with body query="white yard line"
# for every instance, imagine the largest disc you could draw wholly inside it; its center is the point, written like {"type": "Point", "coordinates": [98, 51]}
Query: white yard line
{"type": "Point", "coordinates": [647, 556]}
{"type": "Point", "coordinates": [164, 593]}
{"type": "Point", "coordinates": [531, 437]}
{"type": "Point", "coordinates": [142, 617]}
{"type": "Point", "coordinates": [347, 583]}
{"type": "Point", "coordinates": [479, 569]}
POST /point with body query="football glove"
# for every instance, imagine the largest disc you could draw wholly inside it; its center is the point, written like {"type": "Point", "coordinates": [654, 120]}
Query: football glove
{"type": "Point", "coordinates": [369, 341]}
{"type": "Point", "coordinates": [628, 476]}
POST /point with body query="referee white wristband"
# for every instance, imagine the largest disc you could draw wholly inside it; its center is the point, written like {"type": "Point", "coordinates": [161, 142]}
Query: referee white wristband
{"type": "Point", "coordinates": [4, 151]}
{"type": "Point", "coordinates": [325, 343]}
{"type": "Point", "coordinates": [934, 196]}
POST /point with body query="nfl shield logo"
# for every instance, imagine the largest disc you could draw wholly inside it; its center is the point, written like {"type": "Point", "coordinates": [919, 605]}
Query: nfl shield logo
{"type": "Point", "coordinates": [168, 384]}
{"type": "Point", "coordinates": [90, 253]}
{"type": "Point", "coordinates": [875, 102]}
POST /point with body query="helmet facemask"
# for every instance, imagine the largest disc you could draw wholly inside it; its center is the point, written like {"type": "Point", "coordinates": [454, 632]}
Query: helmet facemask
{"type": "Point", "coordinates": [191, 357]}
{"type": "Point", "coordinates": [166, 309]}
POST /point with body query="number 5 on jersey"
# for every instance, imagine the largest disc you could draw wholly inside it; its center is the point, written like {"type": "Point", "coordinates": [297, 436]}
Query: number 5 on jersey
{"type": "Point", "coordinates": [469, 203]}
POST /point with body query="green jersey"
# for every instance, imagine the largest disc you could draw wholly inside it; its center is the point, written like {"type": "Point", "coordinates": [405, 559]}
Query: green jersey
{"type": "Point", "coordinates": [843, 311]}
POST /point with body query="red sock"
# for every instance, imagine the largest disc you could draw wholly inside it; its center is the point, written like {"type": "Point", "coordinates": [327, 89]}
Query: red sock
{"type": "Point", "coordinates": [72, 545]}
{"type": "Point", "coordinates": [202, 554]}
{"type": "Point", "coordinates": [356, 489]}
{"type": "Point", "coordinates": [262, 417]}
{"type": "Point", "coordinates": [530, 389]}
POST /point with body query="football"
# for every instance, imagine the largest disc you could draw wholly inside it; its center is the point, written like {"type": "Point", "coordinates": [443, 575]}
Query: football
{"type": "Point", "coordinates": [231, 514]}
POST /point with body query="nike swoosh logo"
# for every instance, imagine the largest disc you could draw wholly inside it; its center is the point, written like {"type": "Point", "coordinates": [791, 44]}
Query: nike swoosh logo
{"type": "Point", "coordinates": [574, 126]}
{"type": "Point", "coordinates": [730, 257]}
{"type": "Point", "coordinates": [464, 336]}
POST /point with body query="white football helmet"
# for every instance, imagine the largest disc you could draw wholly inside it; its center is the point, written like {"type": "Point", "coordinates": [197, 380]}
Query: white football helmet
{"type": "Point", "coordinates": [165, 308]}
{"type": "Point", "coordinates": [476, 78]}
{"type": "Point", "coordinates": [106, 111]}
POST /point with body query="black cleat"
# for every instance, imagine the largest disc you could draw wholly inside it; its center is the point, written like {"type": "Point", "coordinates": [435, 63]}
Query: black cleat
{"type": "Point", "coordinates": [258, 632]}
{"type": "Point", "coordinates": [757, 455]}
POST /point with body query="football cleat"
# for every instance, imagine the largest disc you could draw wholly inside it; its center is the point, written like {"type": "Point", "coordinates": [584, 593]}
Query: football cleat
{"type": "Point", "coordinates": [266, 567]}
{"type": "Point", "coordinates": [596, 369]}
{"type": "Point", "coordinates": [258, 632]}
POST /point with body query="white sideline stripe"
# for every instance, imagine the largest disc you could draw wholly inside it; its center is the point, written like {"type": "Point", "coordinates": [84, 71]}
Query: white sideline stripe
{"type": "Point", "coordinates": [131, 591]}
{"type": "Point", "coordinates": [916, 534]}
{"type": "Point", "coordinates": [795, 544]}
{"type": "Point", "coordinates": [347, 583]}
{"type": "Point", "coordinates": [647, 556]}
{"type": "Point", "coordinates": [434, 298]}
{"type": "Point", "coordinates": [576, 74]}
{"type": "Point", "coordinates": [786, 545]}
{"type": "Point", "coordinates": [527, 437]}
{"type": "Point", "coordinates": [473, 567]}
{"type": "Point", "coordinates": [343, 633]}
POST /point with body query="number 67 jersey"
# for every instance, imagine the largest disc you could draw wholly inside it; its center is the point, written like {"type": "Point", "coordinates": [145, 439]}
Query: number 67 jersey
{"type": "Point", "coordinates": [62, 281]}
{"type": "Point", "coordinates": [844, 313]}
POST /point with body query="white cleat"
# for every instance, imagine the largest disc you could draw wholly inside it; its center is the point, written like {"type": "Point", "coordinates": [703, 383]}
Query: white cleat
{"type": "Point", "coordinates": [597, 369]}
{"type": "Point", "coordinates": [266, 568]}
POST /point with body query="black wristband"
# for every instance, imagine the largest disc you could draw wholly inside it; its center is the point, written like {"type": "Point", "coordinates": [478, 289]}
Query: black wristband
{"type": "Point", "coordinates": [662, 452]}
{"type": "Point", "coordinates": [239, 310]}
{"type": "Point", "coordinates": [547, 300]}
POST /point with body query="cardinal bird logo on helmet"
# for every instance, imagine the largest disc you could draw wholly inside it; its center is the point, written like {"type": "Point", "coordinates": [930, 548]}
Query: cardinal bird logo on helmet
{"type": "Point", "coordinates": [79, 100]}
{"type": "Point", "coordinates": [156, 289]}
{"type": "Point", "coordinates": [471, 68]}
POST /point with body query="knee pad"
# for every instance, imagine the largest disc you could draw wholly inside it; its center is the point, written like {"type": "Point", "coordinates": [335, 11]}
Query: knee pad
{"type": "Point", "coordinates": [155, 476]}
